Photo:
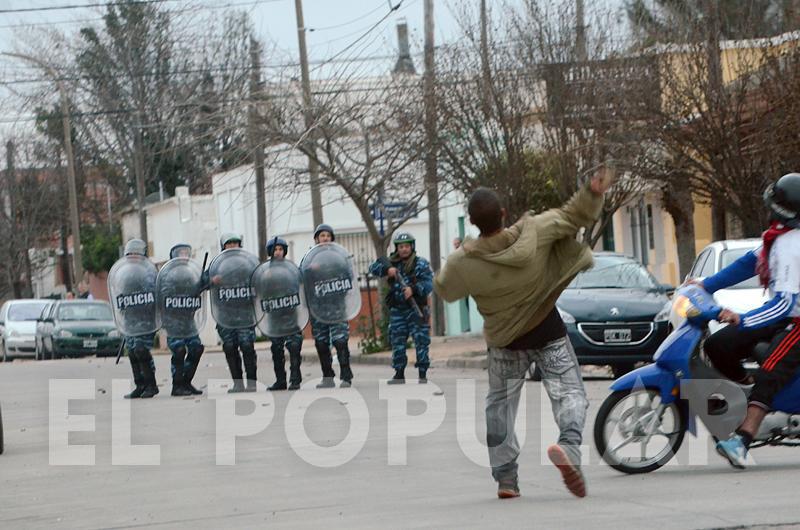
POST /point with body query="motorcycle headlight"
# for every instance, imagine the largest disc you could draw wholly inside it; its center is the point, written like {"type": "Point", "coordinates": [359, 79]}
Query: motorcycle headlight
{"type": "Point", "coordinates": [566, 317]}
{"type": "Point", "coordinates": [113, 333]}
{"type": "Point", "coordinates": [684, 307]}
{"type": "Point", "coordinates": [64, 334]}
{"type": "Point", "coordinates": [663, 315]}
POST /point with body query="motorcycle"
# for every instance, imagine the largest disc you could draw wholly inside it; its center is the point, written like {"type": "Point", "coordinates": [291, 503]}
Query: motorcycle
{"type": "Point", "coordinates": [641, 425]}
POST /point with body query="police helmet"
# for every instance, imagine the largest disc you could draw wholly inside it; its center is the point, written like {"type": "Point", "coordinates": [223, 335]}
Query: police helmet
{"type": "Point", "coordinates": [404, 237]}
{"type": "Point", "coordinates": [228, 237]}
{"type": "Point", "coordinates": [136, 246]}
{"type": "Point", "coordinates": [324, 228]}
{"type": "Point", "coordinates": [181, 250]}
{"type": "Point", "coordinates": [275, 241]}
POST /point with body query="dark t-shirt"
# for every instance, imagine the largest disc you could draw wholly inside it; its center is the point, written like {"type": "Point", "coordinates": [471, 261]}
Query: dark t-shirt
{"type": "Point", "coordinates": [550, 329]}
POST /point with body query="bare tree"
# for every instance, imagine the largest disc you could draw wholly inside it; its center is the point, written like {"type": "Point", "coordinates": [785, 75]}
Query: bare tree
{"type": "Point", "coordinates": [367, 143]}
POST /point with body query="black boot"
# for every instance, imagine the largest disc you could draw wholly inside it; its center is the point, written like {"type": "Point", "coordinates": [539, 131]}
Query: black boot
{"type": "Point", "coordinates": [178, 381]}
{"type": "Point", "coordinates": [295, 376]}
{"type": "Point", "coordinates": [399, 377]}
{"type": "Point", "coordinates": [278, 363]}
{"type": "Point", "coordinates": [325, 359]}
{"type": "Point", "coordinates": [234, 365]}
{"type": "Point", "coordinates": [343, 354]}
{"type": "Point", "coordinates": [250, 366]}
{"type": "Point", "coordinates": [423, 376]}
{"type": "Point", "coordinates": [149, 373]}
{"type": "Point", "coordinates": [138, 379]}
{"type": "Point", "coordinates": [190, 368]}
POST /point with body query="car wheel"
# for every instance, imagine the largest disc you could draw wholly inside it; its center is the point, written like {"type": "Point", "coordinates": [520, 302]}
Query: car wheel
{"type": "Point", "coordinates": [38, 350]}
{"type": "Point", "coordinates": [621, 369]}
{"type": "Point", "coordinates": [534, 373]}
{"type": "Point", "coordinates": [3, 356]}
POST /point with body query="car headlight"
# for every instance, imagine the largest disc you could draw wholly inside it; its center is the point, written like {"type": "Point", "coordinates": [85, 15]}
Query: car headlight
{"type": "Point", "coordinates": [64, 334]}
{"type": "Point", "coordinates": [566, 317]}
{"type": "Point", "coordinates": [113, 333]}
{"type": "Point", "coordinates": [663, 315]}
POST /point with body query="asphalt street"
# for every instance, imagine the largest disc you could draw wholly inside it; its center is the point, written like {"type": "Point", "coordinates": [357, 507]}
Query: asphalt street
{"type": "Point", "coordinates": [334, 459]}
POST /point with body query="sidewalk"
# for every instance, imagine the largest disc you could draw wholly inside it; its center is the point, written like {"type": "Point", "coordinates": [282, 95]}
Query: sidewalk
{"type": "Point", "coordinates": [463, 351]}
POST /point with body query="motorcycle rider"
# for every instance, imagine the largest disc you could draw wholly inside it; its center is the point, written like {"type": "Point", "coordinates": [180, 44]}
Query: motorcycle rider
{"type": "Point", "coordinates": [777, 264]}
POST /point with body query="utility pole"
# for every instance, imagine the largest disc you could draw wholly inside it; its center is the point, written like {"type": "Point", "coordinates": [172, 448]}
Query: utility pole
{"type": "Point", "coordinates": [257, 147]}
{"type": "Point", "coordinates": [73, 195]}
{"type": "Point", "coordinates": [486, 74]}
{"type": "Point", "coordinates": [313, 171]}
{"type": "Point", "coordinates": [138, 173]}
{"type": "Point", "coordinates": [580, 33]}
{"type": "Point", "coordinates": [431, 178]}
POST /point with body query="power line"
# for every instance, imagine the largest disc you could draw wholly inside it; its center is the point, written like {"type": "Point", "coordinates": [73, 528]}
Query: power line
{"type": "Point", "coordinates": [173, 11]}
{"type": "Point", "coordinates": [76, 6]}
{"type": "Point", "coordinates": [362, 17]}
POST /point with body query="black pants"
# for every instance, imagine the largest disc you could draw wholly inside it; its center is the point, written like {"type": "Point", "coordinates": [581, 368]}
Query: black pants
{"type": "Point", "coordinates": [729, 346]}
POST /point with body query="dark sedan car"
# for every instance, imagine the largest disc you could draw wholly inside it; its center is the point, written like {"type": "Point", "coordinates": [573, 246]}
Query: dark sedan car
{"type": "Point", "coordinates": [76, 327]}
{"type": "Point", "coordinates": [616, 313]}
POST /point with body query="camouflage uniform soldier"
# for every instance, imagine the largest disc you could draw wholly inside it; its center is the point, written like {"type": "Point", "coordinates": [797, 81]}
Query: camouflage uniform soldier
{"type": "Point", "coordinates": [410, 281]}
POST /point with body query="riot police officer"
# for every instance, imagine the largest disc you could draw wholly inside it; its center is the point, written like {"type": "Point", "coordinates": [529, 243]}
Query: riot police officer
{"type": "Point", "coordinates": [139, 346]}
{"type": "Point", "coordinates": [182, 279]}
{"type": "Point", "coordinates": [277, 249]}
{"type": "Point", "coordinates": [410, 284]}
{"type": "Point", "coordinates": [337, 334]}
{"type": "Point", "coordinates": [235, 340]}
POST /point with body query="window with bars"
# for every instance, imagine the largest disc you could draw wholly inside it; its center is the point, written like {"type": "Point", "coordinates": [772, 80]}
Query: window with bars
{"type": "Point", "coordinates": [360, 246]}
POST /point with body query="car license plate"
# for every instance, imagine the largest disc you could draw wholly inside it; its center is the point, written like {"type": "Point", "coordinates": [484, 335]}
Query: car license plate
{"type": "Point", "coordinates": [90, 343]}
{"type": "Point", "coordinates": [617, 335]}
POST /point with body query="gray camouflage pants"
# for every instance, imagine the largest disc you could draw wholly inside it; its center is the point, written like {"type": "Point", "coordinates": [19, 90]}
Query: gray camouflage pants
{"type": "Point", "coordinates": [562, 380]}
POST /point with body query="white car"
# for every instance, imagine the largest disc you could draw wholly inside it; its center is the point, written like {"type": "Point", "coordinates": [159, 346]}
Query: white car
{"type": "Point", "coordinates": [742, 297]}
{"type": "Point", "coordinates": [18, 327]}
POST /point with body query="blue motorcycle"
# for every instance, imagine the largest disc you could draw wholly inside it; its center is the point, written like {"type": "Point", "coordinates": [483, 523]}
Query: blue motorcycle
{"type": "Point", "coordinates": [641, 425]}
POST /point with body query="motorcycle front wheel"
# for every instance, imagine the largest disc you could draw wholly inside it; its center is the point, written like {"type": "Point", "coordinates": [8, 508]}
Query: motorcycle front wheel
{"type": "Point", "coordinates": [636, 433]}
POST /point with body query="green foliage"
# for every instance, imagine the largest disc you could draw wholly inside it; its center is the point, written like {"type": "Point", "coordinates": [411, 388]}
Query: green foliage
{"type": "Point", "coordinates": [100, 247]}
{"type": "Point", "coordinates": [372, 342]}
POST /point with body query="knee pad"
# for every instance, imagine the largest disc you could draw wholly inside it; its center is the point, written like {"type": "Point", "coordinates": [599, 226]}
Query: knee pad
{"type": "Point", "coordinates": [294, 347]}
{"type": "Point", "coordinates": [248, 348]}
{"type": "Point", "coordinates": [180, 350]}
{"type": "Point", "coordinates": [276, 349]}
{"type": "Point", "coordinates": [341, 346]}
{"type": "Point", "coordinates": [196, 352]}
{"type": "Point", "coordinates": [322, 346]}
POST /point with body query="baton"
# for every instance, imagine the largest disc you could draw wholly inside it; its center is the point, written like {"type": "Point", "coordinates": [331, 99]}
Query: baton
{"type": "Point", "coordinates": [119, 352]}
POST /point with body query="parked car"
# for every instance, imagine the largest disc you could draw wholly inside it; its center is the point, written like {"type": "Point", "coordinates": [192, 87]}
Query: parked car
{"type": "Point", "coordinates": [616, 313]}
{"type": "Point", "coordinates": [18, 327]}
{"type": "Point", "coordinates": [742, 297]}
{"type": "Point", "coordinates": [76, 327]}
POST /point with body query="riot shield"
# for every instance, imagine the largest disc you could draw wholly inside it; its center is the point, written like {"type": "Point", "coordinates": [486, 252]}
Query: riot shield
{"type": "Point", "coordinates": [179, 298]}
{"type": "Point", "coordinates": [331, 284]}
{"type": "Point", "coordinates": [131, 287]}
{"type": "Point", "coordinates": [279, 300]}
{"type": "Point", "coordinates": [229, 284]}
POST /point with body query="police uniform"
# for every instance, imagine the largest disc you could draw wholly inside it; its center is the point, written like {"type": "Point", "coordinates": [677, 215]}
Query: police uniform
{"type": "Point", "coordinates": [404, 321]}
{"type": "Point", "coordinates": [336, 334]}
{"type": "Point", "coordinates": [293, 342]}
{"type": "Point", "coordinates": [186, 351]}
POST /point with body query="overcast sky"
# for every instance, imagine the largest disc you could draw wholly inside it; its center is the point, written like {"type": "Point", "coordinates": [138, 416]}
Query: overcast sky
{"type": "Point", "coordinates": [334, 27]}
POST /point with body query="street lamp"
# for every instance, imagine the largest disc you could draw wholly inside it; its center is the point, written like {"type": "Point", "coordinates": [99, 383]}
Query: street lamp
{"type": "Point", "coordinates": [73, 198]}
